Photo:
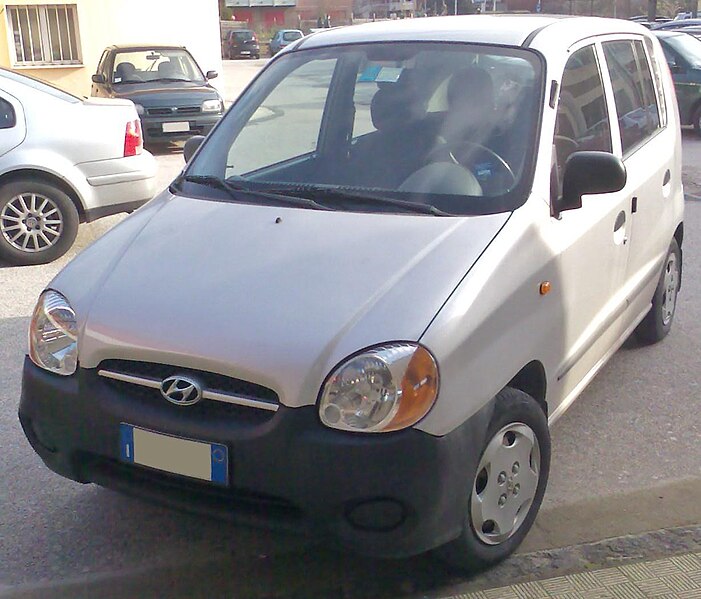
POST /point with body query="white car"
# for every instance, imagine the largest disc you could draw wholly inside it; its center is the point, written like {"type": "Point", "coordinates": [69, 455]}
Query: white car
{"type": "Point", "coordinates": [64, 160]}
{"type": "Point", "coordinates": [367, 327]}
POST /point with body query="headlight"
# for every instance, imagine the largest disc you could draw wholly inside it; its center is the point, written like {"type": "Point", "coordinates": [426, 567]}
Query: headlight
{"type": "Point", "coordinates": [212, 106]}
{"type": "Point", "coordinates": [139, 109]}
{"type": "Point", "coordinates": [383, 389]}
{"type": "Point", "coordinates": [53, 334]}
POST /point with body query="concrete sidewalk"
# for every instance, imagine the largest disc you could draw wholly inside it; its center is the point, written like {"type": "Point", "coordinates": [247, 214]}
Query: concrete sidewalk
{"type": "Point", "coordinates": [670, 578]}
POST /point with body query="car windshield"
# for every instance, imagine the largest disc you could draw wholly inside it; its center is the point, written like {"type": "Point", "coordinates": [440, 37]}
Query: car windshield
{"type": "Point", "coordinates": [290, 36]}
{"type": "Point", "coordinates": [449, 126]}
{"type": "Point", "coordinates": [243, 36]}
{"type": "Point", "coordinates": [687, 46]}
{"type": "Point", "coordinates": [158, 64]}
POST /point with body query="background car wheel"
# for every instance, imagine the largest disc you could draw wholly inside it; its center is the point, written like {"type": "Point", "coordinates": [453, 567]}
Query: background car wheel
{"type": "Point", "coordinates": [658, 321]}
{"type": "Point", "coordinates": [508, 486]}
{"type": "Point", "coordinates": [697, 120]}
{"type": "Point", "coordinates": [38, 222]}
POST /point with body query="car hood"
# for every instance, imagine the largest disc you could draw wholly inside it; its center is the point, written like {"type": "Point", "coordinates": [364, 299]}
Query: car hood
{"type": "Point", "coordinates": [175, 94]}
{"type": "Point", "coordinates": [276, 296]}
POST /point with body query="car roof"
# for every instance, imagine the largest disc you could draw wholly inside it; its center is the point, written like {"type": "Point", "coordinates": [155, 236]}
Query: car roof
{"type": "Point", "coordinates": [136, 47]}
{"type": "Point", "coordinates": [508, 30]}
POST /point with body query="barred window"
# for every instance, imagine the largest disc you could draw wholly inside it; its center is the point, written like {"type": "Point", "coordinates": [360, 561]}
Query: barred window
{"type": "Point", "coordinates": [45, 34]}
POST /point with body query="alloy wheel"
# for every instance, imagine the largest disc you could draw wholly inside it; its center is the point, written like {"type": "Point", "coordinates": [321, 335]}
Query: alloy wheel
{"type": "Point", "coordinates": [31, 222]}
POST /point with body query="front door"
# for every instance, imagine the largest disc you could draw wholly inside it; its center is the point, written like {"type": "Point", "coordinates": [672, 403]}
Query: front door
{"type": "Point", "coordinates": [592, 241]}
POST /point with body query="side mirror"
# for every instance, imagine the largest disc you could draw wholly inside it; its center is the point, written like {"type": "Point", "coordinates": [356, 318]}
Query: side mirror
{"type": "Point", "coordinates": [675, 68]}
{"type": "Point", "coordinates": [191, 146]}
{"type": "Point", "coordinates": [212, 75]}
{"type": "Point", "coordinates": [587, 173]}
{"type": "Point", "coordinates": [98, 78]}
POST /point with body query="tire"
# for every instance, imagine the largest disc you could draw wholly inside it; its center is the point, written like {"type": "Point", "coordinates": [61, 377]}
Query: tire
{"type": "Point", "coordinates": [517, 433]}
{"type": "Point", "coordinates": [38, 222]}
{"type": "Point", "coordinates": [696, 120]}
{"type": "Point", "coordinates": [658, 321]}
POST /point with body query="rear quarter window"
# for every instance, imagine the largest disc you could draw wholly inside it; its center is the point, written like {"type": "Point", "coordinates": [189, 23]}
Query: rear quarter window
{"type": "Point", "coordinates": [8, 118]}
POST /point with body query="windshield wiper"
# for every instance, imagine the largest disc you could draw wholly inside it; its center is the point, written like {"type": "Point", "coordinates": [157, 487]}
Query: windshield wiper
{"type": "Point", "coordinates": [322, 193]}
{"type": "Point", "coordinates": [236, 189]}
{"type": "Point", "coordinates": [169, 79]}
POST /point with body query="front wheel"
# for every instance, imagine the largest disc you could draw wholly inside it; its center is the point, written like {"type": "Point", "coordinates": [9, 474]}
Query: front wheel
{"type": "Point", "coordinates": [38, 222]}
{"type": "Point", "coordinates": [507, 487]}
{"type": "Point", "coordinates": [658, 321]}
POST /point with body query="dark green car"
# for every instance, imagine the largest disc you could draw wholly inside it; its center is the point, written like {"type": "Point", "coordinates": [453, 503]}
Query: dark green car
{"type": "Point", "coordinates": [683, 53]}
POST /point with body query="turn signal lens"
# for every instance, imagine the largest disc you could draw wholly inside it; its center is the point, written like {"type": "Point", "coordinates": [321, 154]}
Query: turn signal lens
{"type": "Point", "coordinates": [383, 389]}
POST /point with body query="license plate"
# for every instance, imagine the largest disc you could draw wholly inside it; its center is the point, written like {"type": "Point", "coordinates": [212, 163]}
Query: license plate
{"type": "Point", "coordinates": [176, 127]}
{"type": "Point", "coordinates": [187, 457]}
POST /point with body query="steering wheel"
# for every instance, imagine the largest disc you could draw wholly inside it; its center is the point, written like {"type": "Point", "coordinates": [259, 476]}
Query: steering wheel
{"type": "Point", "coordinates": [463, 154]}
{"type": "Point", "coordinates": [567, 141]}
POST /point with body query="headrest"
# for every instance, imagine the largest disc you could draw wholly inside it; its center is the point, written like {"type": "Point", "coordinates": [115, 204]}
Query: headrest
{"type": "Point", "coordinates": [396, 104]}
{"type": "Point", "coordinates": [124, 69]}
{"type": "Point", "coordinates": [471, 87]}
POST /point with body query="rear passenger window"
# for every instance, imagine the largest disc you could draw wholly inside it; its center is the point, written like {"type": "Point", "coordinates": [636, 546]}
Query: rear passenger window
{"type": "Point", "coordinates": [7, 115]}
{"type": "Point", "coordinates": [582, 119]}
{"type": "Point", "coordinates": [657, 79]}
{"type": "Point", "coordinates": [636, 103]}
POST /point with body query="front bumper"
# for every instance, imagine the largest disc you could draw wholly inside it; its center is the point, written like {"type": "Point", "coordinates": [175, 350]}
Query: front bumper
{"type": "Point", "coordinates": [154, 128]}
{"type": "Point", "coordinates": [392, 494]}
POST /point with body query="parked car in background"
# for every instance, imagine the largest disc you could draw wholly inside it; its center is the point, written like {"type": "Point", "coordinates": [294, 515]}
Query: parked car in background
{"type": "Point", "coordinates": [401, 256]}
{"type": "Point", "coordinates": [678, 24]}
{"type": "Point", "coordinates": [683, 54]}
{"type": "Point", "coordinates": [283, 38]}
{"type": "Point", "coordinates": [172, 95]}
{"type": "Point", "coordinates": [240, 43]}
{"type": "Point", "coordinates": [64, 160]}
{"type": "Point", "coordinates": [695, 31]}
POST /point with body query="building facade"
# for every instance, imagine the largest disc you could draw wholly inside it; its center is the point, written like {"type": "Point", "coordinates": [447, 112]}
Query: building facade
{"type": "Point", "coordinates": [61, 42]}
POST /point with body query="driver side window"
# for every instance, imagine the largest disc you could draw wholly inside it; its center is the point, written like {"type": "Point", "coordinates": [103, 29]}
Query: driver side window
{"type": "Point", "coordinates": [582, 121]}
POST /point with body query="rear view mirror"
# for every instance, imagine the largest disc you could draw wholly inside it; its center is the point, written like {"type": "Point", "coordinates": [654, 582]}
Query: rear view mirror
{"type": "Point", "coordinates": [589, 173]}
{"type": "Point", "coordinates": [191, 146]}
{"type": "Point", "coordinates": [212, 75]}
{"type": "Point", "coordinates": [98, 78]}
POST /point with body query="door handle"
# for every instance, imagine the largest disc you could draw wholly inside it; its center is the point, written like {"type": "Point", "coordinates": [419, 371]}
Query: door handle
{"type": "Point", "coordinates": [667, 178]}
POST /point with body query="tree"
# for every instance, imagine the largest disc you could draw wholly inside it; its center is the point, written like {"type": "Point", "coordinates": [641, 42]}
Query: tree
{"type": "Point", "coordinates": [651, 10]}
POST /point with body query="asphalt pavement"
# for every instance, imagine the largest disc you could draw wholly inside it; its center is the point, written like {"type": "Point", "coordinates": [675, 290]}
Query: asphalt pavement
{"type": "Point", "coordinates": [626, 460]}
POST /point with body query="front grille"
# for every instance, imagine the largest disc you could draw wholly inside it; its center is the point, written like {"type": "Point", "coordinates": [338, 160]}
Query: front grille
{"type": "Point", "coordinates": [210, 381]}
{"type": "Point", "coordinates": [174, 111]}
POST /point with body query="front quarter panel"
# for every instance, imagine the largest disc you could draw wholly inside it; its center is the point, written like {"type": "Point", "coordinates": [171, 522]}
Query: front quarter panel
{"type": "Point", "coordinates": [495, 322]}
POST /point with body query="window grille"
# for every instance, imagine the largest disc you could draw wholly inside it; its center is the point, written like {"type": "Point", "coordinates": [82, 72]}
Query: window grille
{"type": "Point", "coordinates": [45, 34]}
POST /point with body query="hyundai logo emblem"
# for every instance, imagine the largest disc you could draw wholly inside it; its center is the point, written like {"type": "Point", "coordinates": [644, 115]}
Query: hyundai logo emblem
{"type": "Point", "coordinates": [181, 390]}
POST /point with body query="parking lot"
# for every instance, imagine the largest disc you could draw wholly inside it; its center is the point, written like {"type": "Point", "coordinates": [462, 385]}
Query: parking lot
{"type": "Point", "coordinates": [625, 458]}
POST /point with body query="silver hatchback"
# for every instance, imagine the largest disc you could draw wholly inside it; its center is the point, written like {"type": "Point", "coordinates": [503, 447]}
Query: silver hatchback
{"type": "Point", "coordinates": [366, 328]}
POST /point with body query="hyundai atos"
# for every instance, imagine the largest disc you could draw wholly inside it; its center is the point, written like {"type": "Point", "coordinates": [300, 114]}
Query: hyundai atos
{"type": "Point", "coordinates": [366, 328]}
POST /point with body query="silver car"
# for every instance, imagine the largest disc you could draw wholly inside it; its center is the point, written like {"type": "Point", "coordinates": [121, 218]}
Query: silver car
{"type": "Point", "coordinates": [64, 160]}
{"type": "Point", "coordinates": [367, 328]}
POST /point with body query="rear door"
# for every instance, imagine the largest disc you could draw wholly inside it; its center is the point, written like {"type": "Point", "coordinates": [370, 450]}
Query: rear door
{"type": "Point", "coordinates": [648, 144]}
{"type": "Point", "coordinates": [12, 124]}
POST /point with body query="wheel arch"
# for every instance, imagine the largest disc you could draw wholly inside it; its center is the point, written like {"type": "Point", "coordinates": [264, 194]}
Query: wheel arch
{"type": "Point", "coordinates": [50, 179]}
{"type": "Point", "coordinates": [531, 379]}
